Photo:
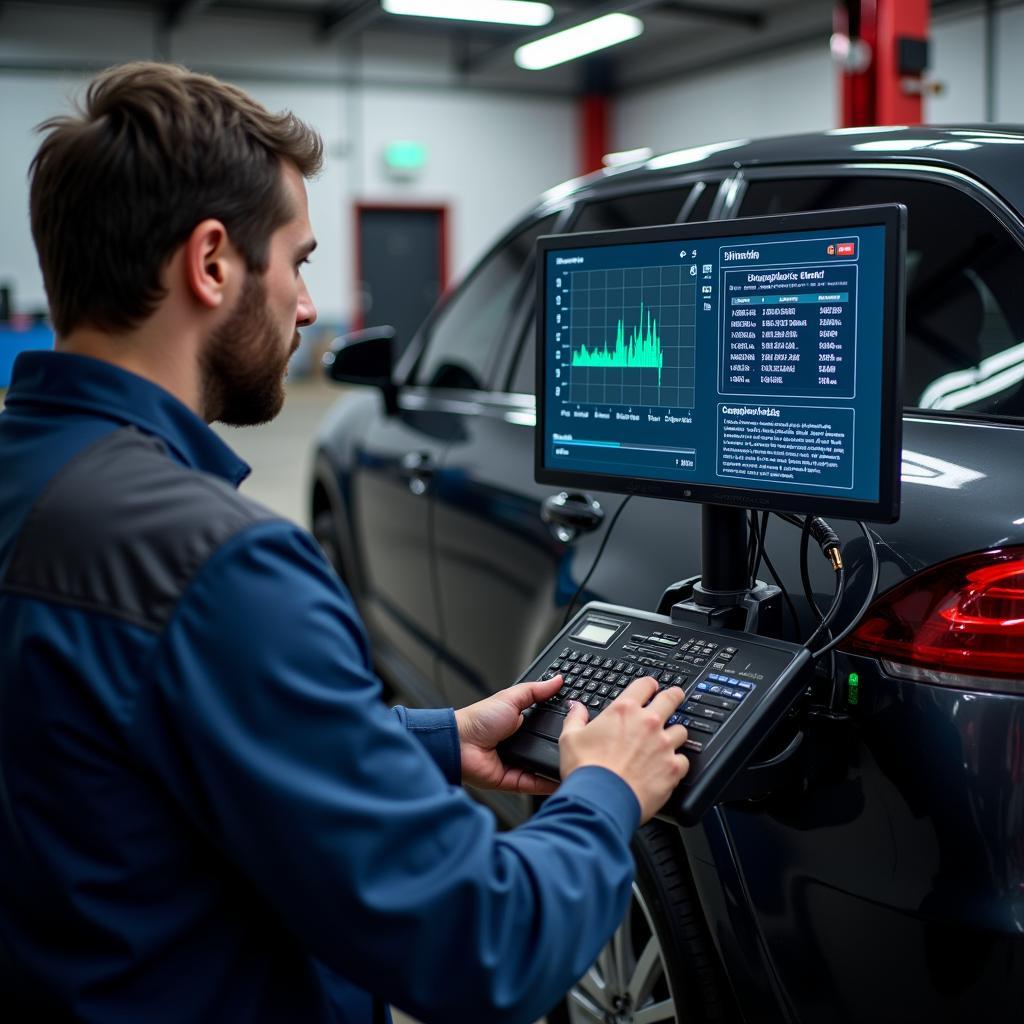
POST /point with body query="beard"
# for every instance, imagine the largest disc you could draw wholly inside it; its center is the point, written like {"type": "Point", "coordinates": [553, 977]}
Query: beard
{"type": "Point", "coordinates": [244, 364]}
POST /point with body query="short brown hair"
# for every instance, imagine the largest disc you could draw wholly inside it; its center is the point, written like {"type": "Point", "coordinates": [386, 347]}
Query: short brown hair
{"type": "Point", "coordinates": [154, 150]}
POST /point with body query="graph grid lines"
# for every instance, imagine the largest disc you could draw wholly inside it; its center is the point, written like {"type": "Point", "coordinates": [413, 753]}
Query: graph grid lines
{"type": "Point", "coordinates": [632, 336]}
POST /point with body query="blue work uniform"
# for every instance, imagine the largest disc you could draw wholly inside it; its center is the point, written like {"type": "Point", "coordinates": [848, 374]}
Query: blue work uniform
{"type": "Point", "coordinates": [206, 811]}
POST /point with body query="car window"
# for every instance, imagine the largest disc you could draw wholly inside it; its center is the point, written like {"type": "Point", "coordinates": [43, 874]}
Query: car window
{"type": "Point", "coordinates": [633, 211]}
{"type": "Point", "coordinates": [641, 209]}
{"type": "Point", "coordinates": [965, 320]}
{"type": "Point", "coordinates": [464, 336]}
{"type": "Point", "coordinates": [701, 200]}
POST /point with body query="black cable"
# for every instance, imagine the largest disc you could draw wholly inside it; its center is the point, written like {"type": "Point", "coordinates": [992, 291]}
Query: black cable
{"type": "Point", "coordinates": [597, 558]}
{"type": "Point", "coordinates": [869, 597]}
{"type": "Point", "coordinates": [751, 545]}
{"type": "Point", "coordinates": [785, 594]}
{"type": "Point", "coordinates": [805, 569]}
{"type": "Point", "coordinates": [826, 621]}
{"type": "Point", "coordinates": [826, 537]}
{"type": "Point", "coordinates": [761, 529]}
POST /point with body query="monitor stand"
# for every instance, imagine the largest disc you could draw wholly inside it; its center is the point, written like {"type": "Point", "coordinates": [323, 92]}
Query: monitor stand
{"type": "Point", "coordinates": [720, 597]}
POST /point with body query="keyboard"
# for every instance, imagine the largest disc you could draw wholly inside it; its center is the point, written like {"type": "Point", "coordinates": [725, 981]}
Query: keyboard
{"type": "Point", "coordinates": [737, 685]}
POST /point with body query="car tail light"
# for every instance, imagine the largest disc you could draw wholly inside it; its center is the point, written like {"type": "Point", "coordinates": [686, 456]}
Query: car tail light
{"type": "Point", "coordinates": [957, 624]}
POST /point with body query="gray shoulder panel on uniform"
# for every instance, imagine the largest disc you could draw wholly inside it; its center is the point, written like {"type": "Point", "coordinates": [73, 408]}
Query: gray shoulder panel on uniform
{"type": "Point", "coordinates": [123, 528]}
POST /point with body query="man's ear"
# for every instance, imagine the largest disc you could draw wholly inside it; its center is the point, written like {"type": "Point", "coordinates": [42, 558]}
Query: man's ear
{"type": "Point", "coordinates": [210, 263]}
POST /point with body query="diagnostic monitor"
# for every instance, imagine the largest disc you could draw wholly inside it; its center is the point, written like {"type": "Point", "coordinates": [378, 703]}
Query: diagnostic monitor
{"type": "Point", "coordinates": [755, 362]}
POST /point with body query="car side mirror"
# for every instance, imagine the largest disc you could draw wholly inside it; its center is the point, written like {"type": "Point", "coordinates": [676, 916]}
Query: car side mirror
{"type": "Point", "coordinates": [364, 357]}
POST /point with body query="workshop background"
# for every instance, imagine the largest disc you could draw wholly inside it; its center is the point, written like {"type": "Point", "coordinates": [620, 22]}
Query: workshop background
{"type": "Point", "coordinates": [432, 130]}
{"type": "Point", "coordinates": [436, 138]}
{"type": "Point", "coordinates": [430, 113]}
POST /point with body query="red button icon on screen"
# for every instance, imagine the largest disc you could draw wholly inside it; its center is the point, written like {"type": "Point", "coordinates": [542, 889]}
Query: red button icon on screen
{"type": "Point", "coordinates": [846, 248]}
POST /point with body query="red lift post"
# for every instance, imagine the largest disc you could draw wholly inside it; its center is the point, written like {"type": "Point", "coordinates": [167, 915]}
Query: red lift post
{"type": "Point", "coordinates": [882, 46]}
{"type": "Point", "coordinates": [595, 130]}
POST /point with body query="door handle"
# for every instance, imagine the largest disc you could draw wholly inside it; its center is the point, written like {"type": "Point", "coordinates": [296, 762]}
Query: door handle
{"type": "Point", "coordinates": [569, 514]}
{"type": "Point", "coordinates": [418, 468]}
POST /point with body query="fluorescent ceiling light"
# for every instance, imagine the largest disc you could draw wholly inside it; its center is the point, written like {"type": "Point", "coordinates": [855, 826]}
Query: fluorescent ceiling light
{"type": "Point", "coordinates": [501, 12]}
{"type": "Point", "coordinates": [998, 140]}
{"type": "Point", "coordinates": [578, 41]}
{"type": "Point", "coordinates": [986, 133]}
{"type": "Point", "coordinates": [868, 129]}
{"type": "Point", "coordinates": [894, 145]}
{"type": "Point", "coordinates": [693, 155]}
{"type": "Point", "coordinates": [627, 156]}
{"type": "Point", "coordinates": [962, 387]}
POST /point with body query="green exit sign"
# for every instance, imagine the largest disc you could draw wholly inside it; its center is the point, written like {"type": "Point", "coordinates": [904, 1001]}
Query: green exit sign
{"type": "Point", "coordinates": [405, 157]}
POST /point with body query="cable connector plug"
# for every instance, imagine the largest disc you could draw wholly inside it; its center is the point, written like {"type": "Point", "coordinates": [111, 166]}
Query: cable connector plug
{"type": "Point", "coordinates": [828, 541]}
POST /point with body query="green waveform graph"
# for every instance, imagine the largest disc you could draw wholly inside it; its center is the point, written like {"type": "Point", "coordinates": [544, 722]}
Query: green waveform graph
{"type": "Point", "coordinates": [641, 351]}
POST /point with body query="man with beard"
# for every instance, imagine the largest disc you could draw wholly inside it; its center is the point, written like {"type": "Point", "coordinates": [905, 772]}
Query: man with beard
{"type": "Point", "coordinates": [206, 812]}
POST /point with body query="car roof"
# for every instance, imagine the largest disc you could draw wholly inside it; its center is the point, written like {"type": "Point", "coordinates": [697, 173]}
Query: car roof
{"type": "Point", "coordinates": [986, 152]}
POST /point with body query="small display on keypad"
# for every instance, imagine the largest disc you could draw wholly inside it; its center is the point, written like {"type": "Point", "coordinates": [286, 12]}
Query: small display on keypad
{"type": "Point", "coordinates": [736, 685]}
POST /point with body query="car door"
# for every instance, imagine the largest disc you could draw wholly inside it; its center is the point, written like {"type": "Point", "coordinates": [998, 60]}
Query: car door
{"type": "Point", "coordinates": [399, 475]}
{"type": "Point", "coordinates": [398, 469]}
{"type": "Point", "coordinates": [505, 576]}
{"type": "Point", "coordinates": [883, 864]}
{"type": "Point", "coordinates": [391, 493]}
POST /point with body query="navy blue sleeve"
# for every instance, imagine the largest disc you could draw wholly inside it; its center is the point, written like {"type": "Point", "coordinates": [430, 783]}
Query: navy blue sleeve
{"type": "Point", "coordinates": [264, 719]}
{"type": "Point", "coordinates": [437, 731]}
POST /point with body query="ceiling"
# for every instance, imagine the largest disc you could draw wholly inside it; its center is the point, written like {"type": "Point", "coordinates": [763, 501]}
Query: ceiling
{"type": "Point", "coordinates": [680, 37]}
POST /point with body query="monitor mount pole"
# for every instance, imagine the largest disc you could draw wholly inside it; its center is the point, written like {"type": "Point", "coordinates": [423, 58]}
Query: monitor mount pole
{"type": "Point", "coordinates": [721, 596]}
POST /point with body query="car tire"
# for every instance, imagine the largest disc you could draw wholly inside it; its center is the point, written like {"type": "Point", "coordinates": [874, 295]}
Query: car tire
{"type": "Point", "coordinates": [671, 973]}
{"type": "Point", "coordinates": [326, 536]}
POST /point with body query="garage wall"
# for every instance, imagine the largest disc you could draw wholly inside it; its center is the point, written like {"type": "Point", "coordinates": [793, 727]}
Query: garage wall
{"type": "Point", "coordinates": [492, 149]}
{"type": "Point", "coordinates": [793, 91]}
{"type": "Point", "coordinates": [959, 62]}
{"type": "Point", "coordinates": [490, 152]}
{"type": "Point", "coordinates": [797, 89]}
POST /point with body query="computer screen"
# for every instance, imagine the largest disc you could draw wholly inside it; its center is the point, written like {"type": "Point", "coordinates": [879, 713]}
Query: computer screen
{"type": "Point", "coordinates": [753, 362]}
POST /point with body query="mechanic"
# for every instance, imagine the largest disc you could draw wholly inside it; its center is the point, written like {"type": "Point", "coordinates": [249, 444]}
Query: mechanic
{"type": "Point", "coordinates": [206, 810]}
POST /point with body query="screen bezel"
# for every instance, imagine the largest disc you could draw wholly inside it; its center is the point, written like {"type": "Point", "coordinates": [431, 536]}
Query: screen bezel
{"type": "Point", "coordinates": [893, 217]}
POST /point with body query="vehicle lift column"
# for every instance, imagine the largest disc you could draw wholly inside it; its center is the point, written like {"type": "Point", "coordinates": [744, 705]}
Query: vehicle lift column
{"type": "Point", "coordinates": [881, 47]}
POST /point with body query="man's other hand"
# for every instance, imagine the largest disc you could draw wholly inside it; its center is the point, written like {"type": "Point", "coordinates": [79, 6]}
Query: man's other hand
{"type": "Point", "coordinates": [482, 726]}
{"type": "Point", "coordinates": [630, 738]}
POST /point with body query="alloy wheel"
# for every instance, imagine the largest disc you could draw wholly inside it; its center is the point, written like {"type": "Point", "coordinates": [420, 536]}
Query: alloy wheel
{"type": "Point", "coordinates": [628, 983]}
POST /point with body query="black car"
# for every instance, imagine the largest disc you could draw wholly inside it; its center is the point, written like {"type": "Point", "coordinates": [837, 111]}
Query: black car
{"type": "Point", "coordinates": [870, 866]}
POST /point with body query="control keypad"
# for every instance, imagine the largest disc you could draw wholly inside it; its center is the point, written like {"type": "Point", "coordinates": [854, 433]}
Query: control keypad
{"type": "Point", "coordinates": [595, 680]}
{"type": "Point", "coordinates": [737, 686]}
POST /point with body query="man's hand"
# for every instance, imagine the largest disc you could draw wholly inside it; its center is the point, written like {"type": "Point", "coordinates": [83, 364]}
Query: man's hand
{"type": "Point", "coordinates": [482, 726]}
{"type": "Point", "coordinates": [629, 737]}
